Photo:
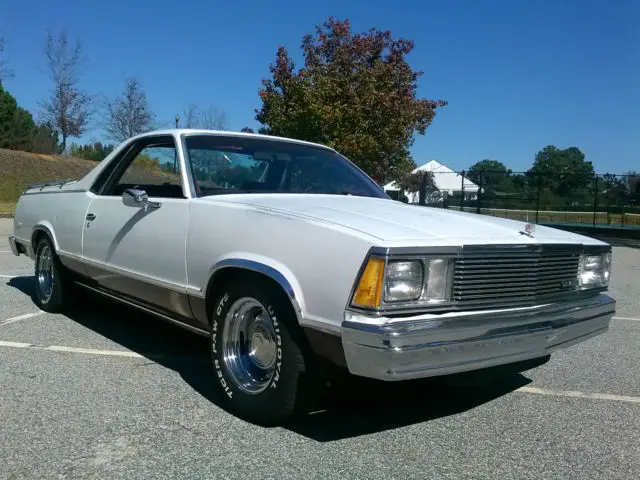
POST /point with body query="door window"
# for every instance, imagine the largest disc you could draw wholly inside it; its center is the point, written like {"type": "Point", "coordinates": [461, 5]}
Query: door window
{"type": "Point", "coordinates": [153, 168]}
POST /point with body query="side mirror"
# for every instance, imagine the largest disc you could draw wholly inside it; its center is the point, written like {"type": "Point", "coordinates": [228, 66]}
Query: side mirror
{"type": "Point", "coordinates": [132, 197]}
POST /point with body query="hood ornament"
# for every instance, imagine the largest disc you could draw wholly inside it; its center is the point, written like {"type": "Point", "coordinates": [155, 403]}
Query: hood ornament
{"type": "Point", "coordinates": [529, 230]}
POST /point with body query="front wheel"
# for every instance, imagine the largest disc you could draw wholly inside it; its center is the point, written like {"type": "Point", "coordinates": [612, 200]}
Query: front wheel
{"type": "Point", "coordinates": [257, 352]}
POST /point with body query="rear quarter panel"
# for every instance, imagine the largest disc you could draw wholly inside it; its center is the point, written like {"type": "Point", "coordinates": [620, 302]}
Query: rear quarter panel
{"type": "Point", "coordinates": [62, 213]}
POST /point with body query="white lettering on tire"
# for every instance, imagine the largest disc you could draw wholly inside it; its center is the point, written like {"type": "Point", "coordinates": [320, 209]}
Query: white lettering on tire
{"type": "Point", "coordinates": [214, 335]}
{"type": "Point", "coordinates": [223, 300]}
{"type": "Point", "coordinates": [223, 382]}
{"type": "Point", "coordinates": [276, 326]}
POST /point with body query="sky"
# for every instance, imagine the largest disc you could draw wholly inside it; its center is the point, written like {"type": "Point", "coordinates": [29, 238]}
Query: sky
{"type": "Point", "coordinates": [518, 75]}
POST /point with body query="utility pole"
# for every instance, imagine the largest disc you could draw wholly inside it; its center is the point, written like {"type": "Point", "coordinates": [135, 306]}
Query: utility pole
{"type": "Point", "coordinates": [480, 193]}
{"type": "Point", "coordinates": [595, 201]}
{"type": "Point", "coordinates": [177, 119]}
{"type": "Point", "coordinates": [538, 198]}
{"type": "Point", "coordinates": [462, 192]}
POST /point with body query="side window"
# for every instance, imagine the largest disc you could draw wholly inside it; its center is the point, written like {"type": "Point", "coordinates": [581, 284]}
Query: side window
{"type": "Point", "coordinates": [155, 169]}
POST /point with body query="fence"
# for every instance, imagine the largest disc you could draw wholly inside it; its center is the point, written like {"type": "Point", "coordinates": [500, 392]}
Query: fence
{"type": "Point", "coordinates": [552, 198]}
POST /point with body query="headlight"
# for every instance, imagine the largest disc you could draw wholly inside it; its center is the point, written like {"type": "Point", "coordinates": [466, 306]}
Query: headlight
{"type": "Point", "coordinates": [404, 281]}
{"type": "Point", "coordinates": [415, 281]}
{"type": "Point", "coordinates": [594, 270]}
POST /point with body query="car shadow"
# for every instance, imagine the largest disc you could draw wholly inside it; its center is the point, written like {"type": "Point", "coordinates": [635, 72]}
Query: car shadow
{"type": "Point", "coordinates": [359, 406]}
{"type": "Point", "coordinates": [26, 284]}
{"type": "Point", "coordinates": [353, 406]}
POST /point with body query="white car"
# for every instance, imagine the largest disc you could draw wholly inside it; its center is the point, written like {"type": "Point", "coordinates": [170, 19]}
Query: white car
{"type": "Point", "coordinates": [291, 259]}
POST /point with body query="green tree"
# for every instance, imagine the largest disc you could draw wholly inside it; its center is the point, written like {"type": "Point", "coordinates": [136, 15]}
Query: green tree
{"type": "Point", "coordinates": [564, 172]}
{"type": "Point", "coordinates": [355, 93]}
{"type": "Point", "coordinates": [45, 139]}
{"type": "Point", "coordinates": [16, 124]}
{"type": "Point", "coordinates": [422, 182]}
{"type": "Point", "coordinates": [633, 183]}
{"type": "Point", "coordinates": [489, 173]}
{"type": "Point", "coordinates": [612, 189]}
{"type": "Point", "coordinates": [95, 152]}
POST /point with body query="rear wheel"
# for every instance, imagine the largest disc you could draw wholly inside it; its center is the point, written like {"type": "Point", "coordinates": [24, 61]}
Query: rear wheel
{"type": "Point", "coordinates": [257, 350]}
{"type": "Point", "coordinates": [50, 278]}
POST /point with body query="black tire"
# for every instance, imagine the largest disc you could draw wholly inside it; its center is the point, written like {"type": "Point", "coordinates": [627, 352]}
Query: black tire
{"type": "Point", "coordinates": [53, 302]}
{"type": "Point", "coordinates": [288, 390]}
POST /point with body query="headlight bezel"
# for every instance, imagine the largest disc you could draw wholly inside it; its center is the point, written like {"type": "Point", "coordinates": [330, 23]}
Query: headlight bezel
{"type": "Point", "coordinates": [424, 256]}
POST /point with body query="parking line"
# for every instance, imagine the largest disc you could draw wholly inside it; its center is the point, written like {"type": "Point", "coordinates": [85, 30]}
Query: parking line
{"type": "Point", "coordinates": [21, 317]}
{"type": "Point", "coordinates": [130, 354]}
{"type": "Point", "coordinates": [100, 352]}
{"type": "Point", "coordinates": [58, 348]}
{"type": "Point", "coordinates": [8, 276]}
{"type": "Point", "coordinates": [575, 394]}
{"type": "Point", "coordinates": [94, 351]}
{"type": "Point", "coordinates": [631, 319]}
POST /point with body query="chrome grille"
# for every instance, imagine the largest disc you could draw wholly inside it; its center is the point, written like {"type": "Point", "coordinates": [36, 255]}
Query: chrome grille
{"type": "Point", "coordinates": [514, 277]}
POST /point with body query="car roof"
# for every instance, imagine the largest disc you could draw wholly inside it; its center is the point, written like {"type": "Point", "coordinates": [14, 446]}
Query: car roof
{"type": "Point", "coordinates": [227, 133]}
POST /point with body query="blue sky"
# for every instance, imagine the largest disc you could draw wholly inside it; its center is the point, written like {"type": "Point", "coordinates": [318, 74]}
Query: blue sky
{"type": "Point", "coordinates": [518, 75]}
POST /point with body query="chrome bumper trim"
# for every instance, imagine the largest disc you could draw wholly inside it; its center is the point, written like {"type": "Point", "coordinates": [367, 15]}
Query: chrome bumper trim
{"type": "Point", "coordinates": [431, 345]}
{"type": "Point", "coordinates": [13, 245]}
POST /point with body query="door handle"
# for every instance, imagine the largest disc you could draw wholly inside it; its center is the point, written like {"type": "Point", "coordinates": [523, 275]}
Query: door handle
{"type": "Point", "coordinates": [91, 217]}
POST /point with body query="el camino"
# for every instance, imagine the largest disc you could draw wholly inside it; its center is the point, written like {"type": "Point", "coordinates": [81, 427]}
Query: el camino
{"type": "Point", "coordinates": [293, 262]}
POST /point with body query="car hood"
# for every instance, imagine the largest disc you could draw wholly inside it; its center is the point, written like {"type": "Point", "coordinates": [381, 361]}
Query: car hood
{"type": "Point", "coordinates": [397, 223]}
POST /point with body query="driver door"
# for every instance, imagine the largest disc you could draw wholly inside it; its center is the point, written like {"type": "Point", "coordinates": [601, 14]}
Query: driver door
{"type": "Point", "coordinates": [137, 249]}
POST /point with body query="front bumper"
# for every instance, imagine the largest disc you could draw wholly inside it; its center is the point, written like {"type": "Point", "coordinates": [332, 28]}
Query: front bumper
{"type": "Point", "coordinates": [13, 245]}
{"type": "Point", "coordinates": [431, 345]}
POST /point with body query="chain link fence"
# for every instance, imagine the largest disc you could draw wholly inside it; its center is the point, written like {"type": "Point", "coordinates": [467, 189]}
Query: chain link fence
{"type": "Point", "coordinates": [601, 200]}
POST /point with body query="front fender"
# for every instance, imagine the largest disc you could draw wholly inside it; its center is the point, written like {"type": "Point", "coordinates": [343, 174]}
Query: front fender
{"type": "Point", "coordinates": [266, 266]}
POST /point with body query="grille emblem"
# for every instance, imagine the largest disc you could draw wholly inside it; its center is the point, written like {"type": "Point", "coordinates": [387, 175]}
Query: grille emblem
{"type": "Point", "coordinates": [569, 283]}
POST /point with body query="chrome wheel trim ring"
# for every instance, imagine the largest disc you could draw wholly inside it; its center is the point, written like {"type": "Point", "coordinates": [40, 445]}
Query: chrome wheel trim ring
{"type": "Point", "coordinates": [44, 273]}
{"type": "Point", "coordinates": [249, 345]}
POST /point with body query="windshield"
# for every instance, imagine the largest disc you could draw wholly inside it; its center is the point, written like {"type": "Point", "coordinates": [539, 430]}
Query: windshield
{"type": "Point", "coordinates": [230, 164]}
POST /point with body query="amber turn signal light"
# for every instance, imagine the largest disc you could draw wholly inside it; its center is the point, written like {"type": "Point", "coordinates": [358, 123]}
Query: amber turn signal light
{"type": "Point", "coordinates": [369, 288]}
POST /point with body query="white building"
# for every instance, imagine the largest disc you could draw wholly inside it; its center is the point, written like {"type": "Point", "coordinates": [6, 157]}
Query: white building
{"type": "Point", "coordinates": [447, 181]}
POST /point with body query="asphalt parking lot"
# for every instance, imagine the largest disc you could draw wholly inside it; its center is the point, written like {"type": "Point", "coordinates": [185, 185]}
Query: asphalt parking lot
{"type": "Point", "coordinates": [109, 393]}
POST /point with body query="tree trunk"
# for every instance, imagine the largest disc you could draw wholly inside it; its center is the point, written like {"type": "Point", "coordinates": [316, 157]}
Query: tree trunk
{"type": "Point", "coordinates": [422, 199]}
{"type": "Point", "coordinates": [64, 143]}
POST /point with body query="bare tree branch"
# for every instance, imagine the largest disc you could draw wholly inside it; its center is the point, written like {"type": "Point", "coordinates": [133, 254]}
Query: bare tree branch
{"type": "Point", "coordinates": [209, 119]}
{"type": "Point", "coordinates": [5, 71]}
{"type": "Point", "coordinates": [213, 119]}
{"type": "Point", "coordinates": [129, 114]}
{"type": "Point", "coordinates": [68, 109]}
{"type": "Point", "coordinates": [191, 116]}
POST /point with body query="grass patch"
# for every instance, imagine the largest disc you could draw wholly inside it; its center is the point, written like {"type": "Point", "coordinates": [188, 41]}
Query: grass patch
{"type": "Point", "coordinates": [18, 169]}
{"type": "Point", "coordinates": [7, 207]}
{"type": "Point", "coordinates": [561, 217]}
